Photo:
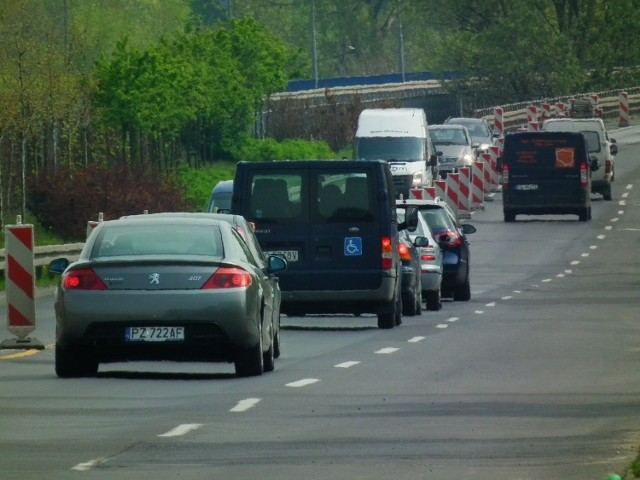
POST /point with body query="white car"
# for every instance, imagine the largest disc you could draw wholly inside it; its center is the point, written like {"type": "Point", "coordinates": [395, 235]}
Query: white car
{"type": "Point", "coordinates": [601, 149]}
{"type": "Point", "coordinates": [454, 147]}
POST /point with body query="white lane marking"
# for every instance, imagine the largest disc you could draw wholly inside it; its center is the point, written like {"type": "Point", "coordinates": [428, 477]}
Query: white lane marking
{"type": "Point", "coordinates": [575, 262]}
{"type": "Point", "coordinates": [546, 280]}
{"type": "Point", "coordinates": [560, 275]}
{"type": "Point", "coordinates": [346, 364]}
{"type": "Point", "coordinates": [615, 219]}
{"type": "Point", "coordinates": [517, 291]}
{"type": "Point", "coordinates": [568, 272]}
{"type": "Point", "coordinates": [508, 297]}
{"type": "Point", "coordinates": [585, 254]}
{"type": "Point", "coordinates": [416, 339]}
{"type": "Point", "coordinates": [303, 383]}
{"type": "Point", "coordinates": [452, 319]}
{"type": "Point", "coordinates": [625, 195]}
{"type": "Point", "coordinates": [442, 325]}
{"type": "Point", "coordinates": [622, 203]}
{"type": "Point", "coordinates": [182, 430]}
{"type": "Point", "coordinates": [601, 237]}
{"type": "Point", "coordinates": [479, 312]}
{"type": "Point", "coordinates": [246, 404]}
{"type": "Point", "coordinates": [629, 186]}
{"type": "Point", "coordinates": [593, 247]}
{"type": "Point", "coordinates": [608, 227]}
{"type": "Point", "coordinates": [387, 350]}
{"type": "Point", "coordinates": [83, 467]}
{"type": "Point", "coordinates": [490, 304]}
{"type": "Point", "coordinates": [620, 212]}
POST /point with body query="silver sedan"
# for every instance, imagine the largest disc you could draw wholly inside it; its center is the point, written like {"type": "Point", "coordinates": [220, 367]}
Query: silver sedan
{"type": "Point", "coordinates": [170, 288]}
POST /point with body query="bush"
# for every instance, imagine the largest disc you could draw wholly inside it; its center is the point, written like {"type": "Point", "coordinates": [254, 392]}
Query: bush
{"type": "Point", "coordinates": [198, 183]}
{"type": "Point", "coordinates": [67, 199]}
{"type": "Point", "coordinates": [269, 149]}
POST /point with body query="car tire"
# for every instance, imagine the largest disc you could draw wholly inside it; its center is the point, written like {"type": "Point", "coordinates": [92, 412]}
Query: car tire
{"type": "Point", "coordinates": [463, 292]}
{"type": "Point", "coordinates": [250, 362]}
{"type": "Point", "coordinates": [419, 303]}
{"type": "Point", "coordinates": [398, 312]}
{"type": "Point", "coordinates": [607, 193]}
{"type": "Point", "coordinates": [268, 357]}
{"type": "Point", "coordinates": [388, 319]}
{"type": "Point", "coordinates": [584, 215]}
{"type": "Point", "coordinates": [276, 341]}
{"type": "Point", "coordinates": [409, 305]}
{"type": "Point", "coordinates": [72, 364]}
{"type": "Point", "coordinates": [509, 217]}
{"type": "Point", "coordinates": [434, 300]}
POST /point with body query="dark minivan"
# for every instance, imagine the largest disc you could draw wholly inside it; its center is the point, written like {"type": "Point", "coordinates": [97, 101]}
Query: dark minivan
{"type": "Point", "coordinates": [546, 173]}
{"type": "Point", "coordinates": [335, 222]}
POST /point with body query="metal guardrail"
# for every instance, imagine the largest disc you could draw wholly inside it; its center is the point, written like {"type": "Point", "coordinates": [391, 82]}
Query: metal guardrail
{"type": "Point", "coordinates": [44, 254]}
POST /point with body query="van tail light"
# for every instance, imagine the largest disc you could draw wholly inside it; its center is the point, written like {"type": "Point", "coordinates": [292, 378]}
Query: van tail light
{"type": "Point", "coordinates": [505, 176]}
{"type": "Point", "coordinates": [584, 175]}
{"type": "Point", "coordinates": [387, 253]}
{"type": "Point", "coordinates": [607, 166]}
{"type": "Point", "coordinates": [82, 279]}
{"type": "Point", "coordinates": [427, 258]}
{"type": "Point", "coordinates": [405, 254]}
{"type": "Point", "coordinates": [226, 277]}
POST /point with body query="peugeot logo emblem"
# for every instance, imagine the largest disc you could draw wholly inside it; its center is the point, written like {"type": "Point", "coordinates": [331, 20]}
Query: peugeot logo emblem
{"type": "Point", "coordinates": [154, 279]}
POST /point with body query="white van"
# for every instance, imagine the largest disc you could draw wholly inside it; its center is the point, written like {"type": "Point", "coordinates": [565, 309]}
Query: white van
{"type": "Point", "coordinates": [400, 137]}
{"type": "Point", "coordinates": [601, 149]}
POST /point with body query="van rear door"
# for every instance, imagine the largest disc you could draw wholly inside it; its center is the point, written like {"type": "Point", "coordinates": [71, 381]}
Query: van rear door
{"type": "Point", "coordinates": [544, 169]}
{"type": "Point", "coordinates": [345, 239]}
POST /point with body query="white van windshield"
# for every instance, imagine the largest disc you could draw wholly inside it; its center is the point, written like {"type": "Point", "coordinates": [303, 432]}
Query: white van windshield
{"type": "Point", "coordinates": [407, 149]}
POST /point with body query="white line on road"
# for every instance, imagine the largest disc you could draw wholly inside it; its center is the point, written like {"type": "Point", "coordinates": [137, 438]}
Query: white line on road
{"type": "Point", "coordinates": [547, 280]}
{"type": "Point", "coordinates": [608, 227]}
{"type": "Point", "coordinates": [614, 220]}
{"type": "Point", "coordinates": [387, 350]}
{"type": "Point", "coordinates": [303, 383]}
{"type": "Point", "coordinates": [575, 262]}
{"type": "Point", "coordinates": [490, 304]}
{"type": "Point", "coordinates": [246, 404]}
{"type": "Point", "coordinates": [452, 319]}
{"type": "Point", "coordinates": [507, 297]}
{"type": "Point", "coordinates": [593, 247]}
{"type": "Point", "coordinates": [83, 467]}
{"type": "Point", "coordinates": [346, 364]}
{"type": "Point", "coordinates": [479, 312]}
{"type": "Point", "coordinates": [560, 275]}
{"type": "Point", "coordinates": [568, 272]}
{"type": "Point", "coordinates": [416, 339]}
{"type": "Point", "coordinates": [585, 254]}
{"type": "Point", "coordinates": [442, 325]}
{"type": "Point", "coordinates": [622, 203]}
{"type": "Point", "coordinates": [182, 430]}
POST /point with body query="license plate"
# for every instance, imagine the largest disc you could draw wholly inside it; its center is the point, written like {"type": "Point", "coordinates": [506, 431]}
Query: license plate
{"type": "Point", "coordinates": [531, 186]}
{"type": "Point", "coordinates": [154, 334]}
{"type": "Point", "coordinates": [289, 255]}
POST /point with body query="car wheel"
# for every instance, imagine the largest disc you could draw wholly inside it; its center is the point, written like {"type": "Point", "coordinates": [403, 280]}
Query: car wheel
{"type": "Point", "coordinates": [607, 193]}
{"type": "Point", "coordinates": [276, 341]}
{"type": "Point", "coordinates": [434, 300]}
{"type": "Point", "coordinates": [250, 362]}
{"type": "Point", "coordinates": [509, 217]}
{"type": "Point", "coordinates": [388, 319]}
{"type": "Point", "coordinates": [584, 215]}
{"type": "Point", "coordinates": [398, 312]}
{"type": "Point", "coordinates": [463, 292]}
{"type": "Point", "coordinates": [409, 306]}
{"type": "Point", "coordinates": [72, 364]}
{"type": "Point", "coordinates": [268, 357]}
{"type": "Point", "coordinates": [419, 303]}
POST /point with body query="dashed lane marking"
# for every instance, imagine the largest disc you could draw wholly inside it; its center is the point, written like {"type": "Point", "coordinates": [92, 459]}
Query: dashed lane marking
{"type": "Point", "coordinates": [387, 350]}
{"type": "Point", "coordinates": [303, 383]}
{"type": "Point", "coordinates": [442, 325]}
{"type": "Point", "coordinates": [346, 364]}
{"type": "Point", "coordinates": [416, 339]}
{"type": "Point", "coordinates": [181, 430]}
{"type": "Point", "coordinates": [246, 404]}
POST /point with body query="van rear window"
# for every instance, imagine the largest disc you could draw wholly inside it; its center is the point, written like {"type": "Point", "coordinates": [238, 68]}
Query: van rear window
{"type": "Point", "coordinates": [344, 197]}
{"type": "Point", "coordinates": [276, 198]}
{"type": "Point", "coordinates": [543, 153]}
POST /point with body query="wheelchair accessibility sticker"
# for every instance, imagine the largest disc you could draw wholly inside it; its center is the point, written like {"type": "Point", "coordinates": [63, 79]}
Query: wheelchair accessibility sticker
{"type": "Point", "coordinates": [352, 246]}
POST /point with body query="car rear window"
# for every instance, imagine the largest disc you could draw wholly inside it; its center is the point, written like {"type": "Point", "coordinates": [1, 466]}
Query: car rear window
{"type": "Point", "coordinates": [344, 197]}
{"type": "Point", "coordinates": [530, 153]}
{"type": "Point", "coordinates": [165, 239]}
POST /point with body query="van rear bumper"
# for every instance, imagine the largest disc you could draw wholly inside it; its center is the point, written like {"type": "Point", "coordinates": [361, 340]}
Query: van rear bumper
{"type": "Point", "coordinates": [546, 209]}
{"type": "Point", "coordinates": [375, 301]}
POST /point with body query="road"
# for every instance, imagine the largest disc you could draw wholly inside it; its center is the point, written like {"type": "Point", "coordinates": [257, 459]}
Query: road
{"type": "Point", "coordinates": [536, 377]}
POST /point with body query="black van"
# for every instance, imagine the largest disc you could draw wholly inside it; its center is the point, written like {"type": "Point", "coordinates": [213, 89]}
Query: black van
{"type": "Point", "coordinates": [546, 173]}
{"type": "Point", "coordinates": [335, 222]}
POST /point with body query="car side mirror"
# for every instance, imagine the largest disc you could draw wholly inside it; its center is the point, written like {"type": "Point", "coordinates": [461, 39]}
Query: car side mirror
{"type": "Point", "coordinates": [276, 263]}
{"type": "Point", "coordinates": [594, 164]}
{"type": "Point", "coordinates": [58, 265]}
{"type": "Point", "coordinates": [467, 228]}
{"type": "Point", "coordinates": [410, 220]}
{"type": "Point", "coordinates": [613, 148]}
{"type": "Point", "coordinates": [433, 161]}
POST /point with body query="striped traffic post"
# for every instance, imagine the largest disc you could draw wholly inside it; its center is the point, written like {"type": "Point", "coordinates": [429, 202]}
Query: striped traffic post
{"type": "Point", "coordinates": [415, 193]}
{"type": "Point", "coordinates": [498, 120]}
{"type": "Point", "coordinates": [20, 287]}
{"type": "Point", "coordinates": [465, 192]}
{"type": "Point", "coordinates": [477, 185]}
{"type": "Point", "coordinates": [429, 193]}
{"type": "Point", "coordinates": [495, 152]}
{"type": "Point", "coordinates": [623, 99]}
{"type": "Point", "coordinates": [453, 193]}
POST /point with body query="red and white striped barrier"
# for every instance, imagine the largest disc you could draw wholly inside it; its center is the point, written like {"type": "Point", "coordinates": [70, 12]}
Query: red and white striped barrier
{"type": "Point", "coordinates": [430, 193]}
{"type": "Point", "coordinates": [416, 193]}
{"type": "Point", "coordinates": [464, 200]}
{"type": "Point", "coordinates": [546, 111]}
{"type": "Point", "coordinates": [561, 110]}
{"type": "Point", "coordinates": [623, 98]}
{"type": "Point", "coordinates": [454, 195]}
{"type": "Point", "coordinates": [477, 186]}
{"type": "Point", "coordinates": [441, 189]}
{"type": "Point", "coordinates": [486, 160]}
{"type": "Point", "coordinates": [532, 113]}
{"type": "Point", "coordinates": [498, 120]}
{"type": "Point", "coordinates": [533, 126]}
{"type": "Point", "coordinates": [20, 286]}
{"type": "Point", "coordinates": [495, 153]}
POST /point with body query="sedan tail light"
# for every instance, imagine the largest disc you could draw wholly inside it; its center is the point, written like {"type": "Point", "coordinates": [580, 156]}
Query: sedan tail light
{"type": "Point", "coordinates": [451, 239]}
{"type": "Point", "coordinates": [82, 279]}
{"type": "Point", "coordinates": [228, 278]}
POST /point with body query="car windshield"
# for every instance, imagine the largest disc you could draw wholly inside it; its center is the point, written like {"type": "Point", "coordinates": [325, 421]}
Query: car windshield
{"type": "Point", "coordinates": [408, 149]}
{"type": "Point", "coordinates": [159, 239]}
{"type": "Point", "coordinates": [448, 136]}
{"type": "Point", "coordinates": [419, 231]}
